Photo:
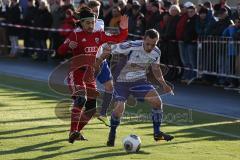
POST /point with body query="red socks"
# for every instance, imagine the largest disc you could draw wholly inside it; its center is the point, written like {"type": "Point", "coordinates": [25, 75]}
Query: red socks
{"type": "Point", "coordinates": [75, 117]}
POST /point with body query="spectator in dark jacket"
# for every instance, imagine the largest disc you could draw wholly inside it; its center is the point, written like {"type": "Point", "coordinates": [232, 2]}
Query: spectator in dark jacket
{"type": "Point", "coordinates": [143, 4]}
{"type": "Point", "coordinates": [189, 56]}
{"type": "Point", "coordinates": [58, 15]}
{"type": "Point", "coordinates": [13, 17]}
{"type": "Point", "coordinates": [128, 8]}
{"type": "Point", "coordinates": [155, 18]}
{"type": "Point", "coordinates": [236, 12]}
{"type": "Point", "coordinates": [28, 20]}
{"type": "Point", "coordinates": [43, 19]}
{"type": "Point", "coordinates": [3, 31]}
{"type": "Point", "coordinates": [202, 22]}
{"type": "Point", "coordinates": [171, 56]}
{"type": "Point", "coordinates": [136, 23]}
{"type": "Point", "coordinates": [223, 22]}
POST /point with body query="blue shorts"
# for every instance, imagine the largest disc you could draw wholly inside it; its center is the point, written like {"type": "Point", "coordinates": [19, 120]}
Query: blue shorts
{"type": "Point", "coordinates": [138, 89]}
{"type": "Point", "coordinates": [105, 74]}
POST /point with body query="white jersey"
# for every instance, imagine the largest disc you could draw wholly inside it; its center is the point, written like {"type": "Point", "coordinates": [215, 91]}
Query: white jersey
{"type": "Point", "coordinates": [138, 61]}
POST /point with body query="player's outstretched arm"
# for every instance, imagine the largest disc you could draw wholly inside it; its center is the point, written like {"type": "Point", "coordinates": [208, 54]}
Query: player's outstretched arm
{"type": "Point", "coordinates": [121, 36]}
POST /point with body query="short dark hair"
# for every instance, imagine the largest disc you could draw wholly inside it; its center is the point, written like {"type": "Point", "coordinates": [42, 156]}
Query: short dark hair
{"type": "Point", "coordinates": [151, 33]}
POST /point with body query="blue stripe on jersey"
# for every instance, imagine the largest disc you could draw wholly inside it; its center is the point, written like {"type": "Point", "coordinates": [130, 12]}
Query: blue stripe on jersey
{"type": "Point", "coordinates": [156, 49]}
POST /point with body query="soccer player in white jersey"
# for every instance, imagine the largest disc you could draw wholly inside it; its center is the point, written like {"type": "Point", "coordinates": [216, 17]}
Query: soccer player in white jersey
{"type": "Point", "coordinates": [130, 79]}
{"type": "Point", "coordinates": [104, 76]}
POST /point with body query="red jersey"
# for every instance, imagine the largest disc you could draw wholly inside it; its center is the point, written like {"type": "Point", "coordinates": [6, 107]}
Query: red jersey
{"type": "Point", "coordinates": [88, 45]}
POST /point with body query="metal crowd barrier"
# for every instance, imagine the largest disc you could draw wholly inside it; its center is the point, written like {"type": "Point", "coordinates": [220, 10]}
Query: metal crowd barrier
{"type": "Point", "coordinates": [218, 56]}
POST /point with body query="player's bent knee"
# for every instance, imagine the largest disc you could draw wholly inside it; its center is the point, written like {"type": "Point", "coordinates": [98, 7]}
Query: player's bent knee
{"type": "Point", "coordinates": [91, 105]}
{"type": "Point", "coordinates": [79, 101]}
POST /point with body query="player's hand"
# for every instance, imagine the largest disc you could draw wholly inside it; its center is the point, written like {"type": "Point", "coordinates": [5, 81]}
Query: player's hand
{"type": "Point", "coordinates": [106, 51]}
{"type": "Point", "coordinates": [167, 89]}
{"type": "Point", "coordinates": [73, 44]}
{"type": "Point", "coordinates": [124, 22]}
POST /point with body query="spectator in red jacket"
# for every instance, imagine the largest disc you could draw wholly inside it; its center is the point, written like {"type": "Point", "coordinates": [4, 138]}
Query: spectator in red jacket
{"type": "Point", "coordinates": [68, 23]}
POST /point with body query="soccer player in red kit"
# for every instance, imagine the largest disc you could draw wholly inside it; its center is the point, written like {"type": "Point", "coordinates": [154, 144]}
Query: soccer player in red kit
{"type": "Point", "coordinates": [81, 80]}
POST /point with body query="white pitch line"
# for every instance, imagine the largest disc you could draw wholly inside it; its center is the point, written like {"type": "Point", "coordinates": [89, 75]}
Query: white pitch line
{"type": "Point", "coordinates": [219, 133]}
{"type": "Point", "coordinates": [53, 96]}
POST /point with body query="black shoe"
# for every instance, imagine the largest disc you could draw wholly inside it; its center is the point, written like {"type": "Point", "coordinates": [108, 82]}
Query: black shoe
{"type": "Point", "coordinates": [73, 136]}
{"type": "Point", "coordinates": [163, 136]}
{"type": "Point", "coordinates": [111, 140]}
{"type": "Point", "coordinates": [81, 138]}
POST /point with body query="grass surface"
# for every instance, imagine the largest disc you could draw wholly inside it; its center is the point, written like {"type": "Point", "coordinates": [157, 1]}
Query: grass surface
{"type": "Point", "coordinates": [31, 127]}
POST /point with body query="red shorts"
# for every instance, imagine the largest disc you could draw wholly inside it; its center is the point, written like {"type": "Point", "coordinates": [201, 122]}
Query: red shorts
{"type": "Point", "coordinates": [82, 82]}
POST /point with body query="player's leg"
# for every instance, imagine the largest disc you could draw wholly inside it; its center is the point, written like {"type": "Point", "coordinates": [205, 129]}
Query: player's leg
{"type": "Point", "coordinates": [105, 77]}
{"type": "Point", "coordinates": [106, 101]}
{"type": "Point", "coordinates": [121, 93]}
{"type": "Point", "coordinates": [107, 97]}
{"type": "Point", "coordinates": [78, 103]}
{"type": "Point", "coordinates": [77, 89]}
{"type": "Point", "coordinates": [90, 105]}
{"type": "Point", "coordinates": [115, 121]}
{"type": "Point", "coordinates": [153, 98]}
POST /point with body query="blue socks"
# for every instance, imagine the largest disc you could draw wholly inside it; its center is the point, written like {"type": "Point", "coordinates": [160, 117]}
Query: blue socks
{"type": "Point", "coordinates": [157, 115]}
{"type": "Point", "coordinates": [114, 122]}
{"type": "Point", "coordinates": [107, 98]}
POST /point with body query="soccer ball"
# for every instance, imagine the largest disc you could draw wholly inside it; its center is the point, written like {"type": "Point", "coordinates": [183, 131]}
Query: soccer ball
{"type": "Point", "coordinates": [132, 143]}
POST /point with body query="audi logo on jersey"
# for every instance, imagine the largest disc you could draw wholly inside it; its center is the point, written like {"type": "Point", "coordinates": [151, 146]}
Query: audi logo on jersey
{"type": "Point", "coordinates": [91, 49]}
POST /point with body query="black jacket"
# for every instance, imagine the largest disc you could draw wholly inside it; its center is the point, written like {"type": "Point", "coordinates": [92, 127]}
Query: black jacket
{"type": "Point", "coordinates": [13, 16]}
{"type": "Point", "coordinates": [28, 18]}
{"type": "Point", "coordinates": [43, 19]}
{"type": "Point", "coordinates": [219, 26]}
{"type": "Point", "coordinates": [171, 28]}
{"type": "Point", "coordinates": [190, 33]}
{"type": "Point", "coordinates": [154, 21]}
